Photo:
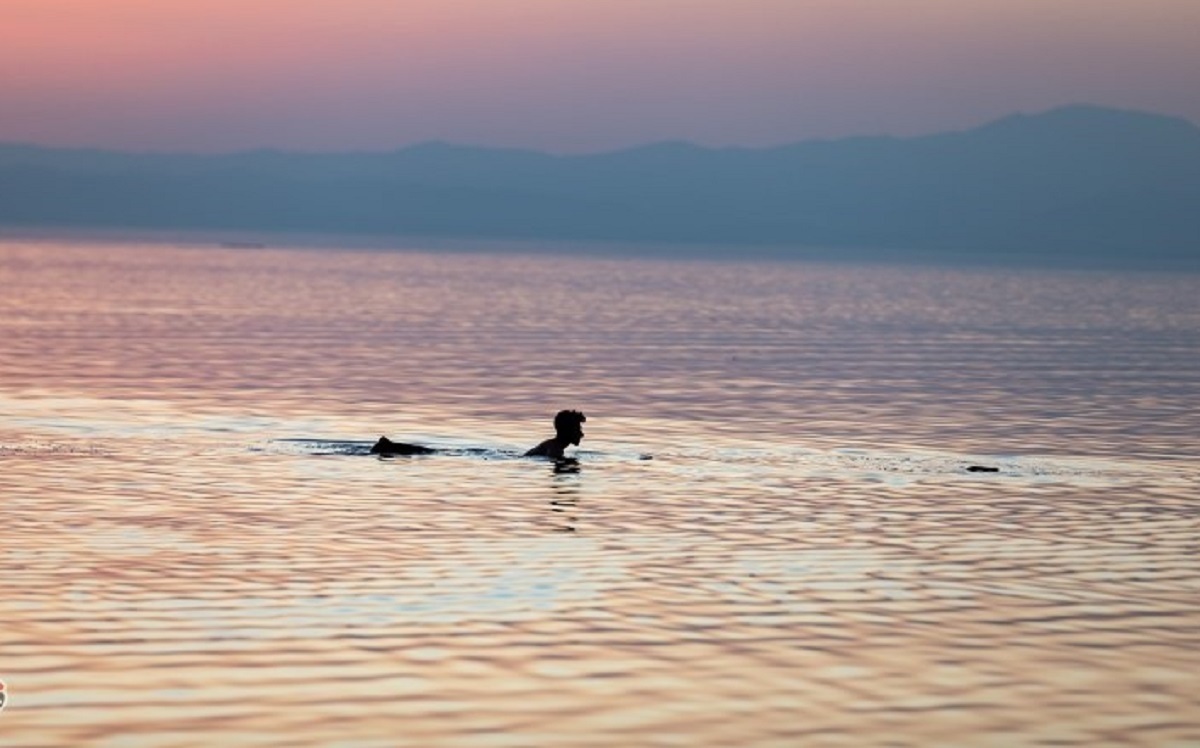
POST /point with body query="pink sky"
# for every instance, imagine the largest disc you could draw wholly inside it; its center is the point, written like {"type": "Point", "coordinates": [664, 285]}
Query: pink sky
{"type": "Point", "coordinates": [570, 75]}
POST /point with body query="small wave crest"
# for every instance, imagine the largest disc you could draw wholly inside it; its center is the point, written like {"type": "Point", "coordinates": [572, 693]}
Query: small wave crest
{"type": "Point", "coordinates": [321, 447]}
{"type": "Point", "coordinates": [50, 449]}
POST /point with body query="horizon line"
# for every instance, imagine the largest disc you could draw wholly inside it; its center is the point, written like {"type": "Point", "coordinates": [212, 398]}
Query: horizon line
{"type": "Point", "coordinates": [681, 142]}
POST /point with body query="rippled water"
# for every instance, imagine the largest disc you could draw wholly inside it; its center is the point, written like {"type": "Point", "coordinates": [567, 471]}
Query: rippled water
{"type": "Point", "coordinates": [771, 536]}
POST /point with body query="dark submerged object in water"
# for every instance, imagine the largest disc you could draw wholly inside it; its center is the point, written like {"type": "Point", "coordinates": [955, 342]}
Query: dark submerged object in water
{"type": "Point", "coordinates": [982, 469]}
{"type": "Point", "coordinates": [386, 446]}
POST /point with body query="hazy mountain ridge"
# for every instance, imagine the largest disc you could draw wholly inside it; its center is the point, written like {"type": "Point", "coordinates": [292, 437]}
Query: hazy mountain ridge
{"type": "Point", "coordinates": [1077, 180]}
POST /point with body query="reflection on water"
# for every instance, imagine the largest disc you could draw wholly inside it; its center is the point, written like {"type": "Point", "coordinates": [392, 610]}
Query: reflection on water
{"type": "Point", "coordinates": [195, 541]}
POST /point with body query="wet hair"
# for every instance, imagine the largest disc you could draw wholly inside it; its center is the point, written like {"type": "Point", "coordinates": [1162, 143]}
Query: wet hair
{"type": "Point", "coordinates": [568, 420]}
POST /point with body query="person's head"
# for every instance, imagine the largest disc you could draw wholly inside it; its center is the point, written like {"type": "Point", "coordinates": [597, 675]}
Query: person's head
{"type": "Point", "coordinates": [568, 426]}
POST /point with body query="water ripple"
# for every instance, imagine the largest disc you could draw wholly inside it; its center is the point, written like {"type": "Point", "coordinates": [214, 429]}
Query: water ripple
{"type": "Point", "coordinates": [771, 535]}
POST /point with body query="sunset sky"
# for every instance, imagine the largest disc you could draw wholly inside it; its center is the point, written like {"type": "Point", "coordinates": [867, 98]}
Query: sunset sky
{"type": "Point", "coordinates": [570, 75]}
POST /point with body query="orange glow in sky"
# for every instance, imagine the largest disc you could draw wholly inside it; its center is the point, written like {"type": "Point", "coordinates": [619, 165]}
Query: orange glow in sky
{"type": "Point", "coordinates": [570, 75]}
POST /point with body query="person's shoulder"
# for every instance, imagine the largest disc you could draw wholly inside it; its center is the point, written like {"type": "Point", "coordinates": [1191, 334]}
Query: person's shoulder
{"type": "Point", "coordinates": [545, 449]}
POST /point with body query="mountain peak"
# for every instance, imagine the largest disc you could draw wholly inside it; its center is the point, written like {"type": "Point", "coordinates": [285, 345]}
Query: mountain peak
{"type": "Point", "coordinates": [1090, 119]}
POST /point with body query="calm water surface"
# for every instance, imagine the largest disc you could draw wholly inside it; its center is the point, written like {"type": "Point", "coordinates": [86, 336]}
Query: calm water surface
{"type": "Point", "coordinates": [770, 538]}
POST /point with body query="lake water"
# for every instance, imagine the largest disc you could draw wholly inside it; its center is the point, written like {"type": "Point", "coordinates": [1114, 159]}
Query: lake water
{"type": "Point", "coordinates": [771, 536]}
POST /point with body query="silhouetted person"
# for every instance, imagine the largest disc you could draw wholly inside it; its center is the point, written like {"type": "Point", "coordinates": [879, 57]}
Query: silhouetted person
{"type": "Point", "coordinates": [568, 427]}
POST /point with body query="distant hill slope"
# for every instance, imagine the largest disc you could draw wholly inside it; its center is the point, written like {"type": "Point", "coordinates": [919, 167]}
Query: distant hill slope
{"type": "Point", "coordinates": [1075, 181]}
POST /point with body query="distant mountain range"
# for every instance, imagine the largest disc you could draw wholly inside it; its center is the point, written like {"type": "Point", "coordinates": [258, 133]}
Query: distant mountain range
{"type": "Point", "coordinates": [1079, 181]}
